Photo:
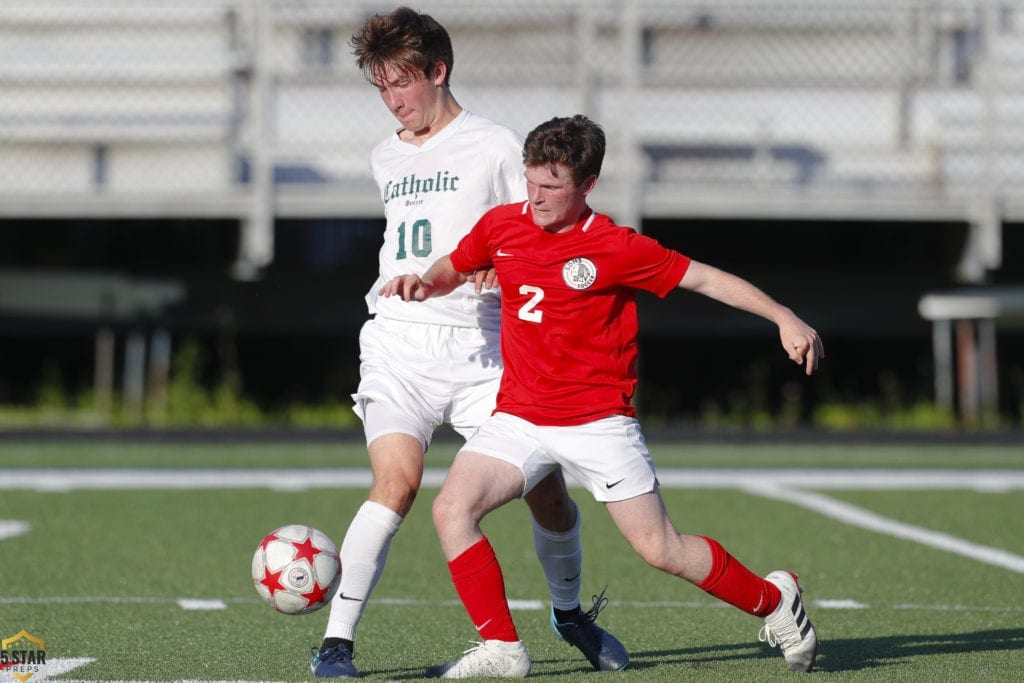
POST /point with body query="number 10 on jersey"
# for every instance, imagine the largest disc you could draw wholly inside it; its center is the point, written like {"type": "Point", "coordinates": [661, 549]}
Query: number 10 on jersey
{"type": "Point", "coordinates": [418, 239]}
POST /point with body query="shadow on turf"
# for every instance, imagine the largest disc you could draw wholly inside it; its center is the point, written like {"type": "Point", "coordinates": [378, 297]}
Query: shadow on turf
{"type": "Point", "coordinates": [638, 661]}
{"type": "Point", "coordinates": [852, 654]}
{"type": "Point", "coordinates": [856, 654]}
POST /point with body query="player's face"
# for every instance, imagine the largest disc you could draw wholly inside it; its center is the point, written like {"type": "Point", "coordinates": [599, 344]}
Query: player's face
{"type": "Point", "coordinates": [412, 98]}
{"type": "Point", "coordinates": [557, 203]}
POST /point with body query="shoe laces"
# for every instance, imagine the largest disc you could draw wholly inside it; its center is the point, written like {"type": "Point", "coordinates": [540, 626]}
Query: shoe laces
{"type": "Point", "coordinates": [779, 637]}
{"type": "Point", "coordinates": [335, 653]}
{"type": "Point", "coordinates": [767, 635]}
{"type": "Point", "coordinates": [600, 602]}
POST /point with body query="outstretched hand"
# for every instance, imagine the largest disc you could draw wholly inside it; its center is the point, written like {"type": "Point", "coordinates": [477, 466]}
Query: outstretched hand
{"type": "Point", "coordinates": [484, 279]}
{"type": "Point", "coordinates": [801, 343]}
{"type": "Point", "coordinates": [408, 287]}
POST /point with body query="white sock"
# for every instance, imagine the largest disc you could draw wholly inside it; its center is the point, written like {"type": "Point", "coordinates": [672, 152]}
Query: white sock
{"type": "Point", "coordinates": [561, 556]}
{"type": "Point", "coordinates": [363, 554]}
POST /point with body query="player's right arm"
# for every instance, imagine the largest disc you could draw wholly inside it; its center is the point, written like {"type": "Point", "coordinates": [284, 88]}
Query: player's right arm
{"type": "Point", "coordinates": [440, 279]}
{"type": "Point", "coordinates": [799, 340]}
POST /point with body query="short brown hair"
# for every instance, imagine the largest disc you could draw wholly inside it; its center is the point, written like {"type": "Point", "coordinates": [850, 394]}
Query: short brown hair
{"type": "Point", "coordinates": [575, 142]}
{"type": "Point", "coordinates": [410, 41]}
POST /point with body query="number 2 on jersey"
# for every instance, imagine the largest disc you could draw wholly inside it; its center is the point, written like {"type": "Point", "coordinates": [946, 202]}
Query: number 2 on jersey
{"type": "Point", "coordinates": [419, 239]}
{"type": "Point", "coordinates": [529, 311]}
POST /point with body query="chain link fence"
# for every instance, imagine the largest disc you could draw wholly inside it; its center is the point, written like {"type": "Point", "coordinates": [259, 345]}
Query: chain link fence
{"type": "Point", "coordinates": [904, 109]}
{"type": "Point", "coordinates": [254, 111]}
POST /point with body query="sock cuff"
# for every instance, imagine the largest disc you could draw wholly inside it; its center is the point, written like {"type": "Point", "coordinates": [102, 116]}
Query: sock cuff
{"type": "Point", "coordinates": [771, 596]}
{"type": "Point", "coordinates": [472, 559]}
{"type": "Point", "coordinates": [719, 562]}
{"type": "Point", "coordinates": [382, 515]}
{"type": "Point", "coordinates": [559, 535]}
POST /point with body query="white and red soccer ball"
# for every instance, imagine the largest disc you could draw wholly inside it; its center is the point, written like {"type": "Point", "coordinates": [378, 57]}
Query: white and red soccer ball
{"type": "Point", "coordinates": [296, 569]}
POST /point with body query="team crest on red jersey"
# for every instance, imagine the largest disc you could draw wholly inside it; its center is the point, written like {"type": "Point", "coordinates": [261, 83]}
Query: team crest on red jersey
{"type": "Point", "coordinates": [579, 273]}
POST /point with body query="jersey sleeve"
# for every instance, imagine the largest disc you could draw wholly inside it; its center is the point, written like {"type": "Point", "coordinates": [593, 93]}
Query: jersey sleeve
{"type": "Point", "coordinates": [507, 170]}
{"type": "Point", "coordinates": [472, 252]}
{"type": "Point", "coordinates": [649, 265]}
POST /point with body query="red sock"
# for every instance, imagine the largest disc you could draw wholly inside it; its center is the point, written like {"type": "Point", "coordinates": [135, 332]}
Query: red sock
{"type": "Point", "coordinates": [733, 583]}
{"type": "Point", "coordinates": [481, 587]}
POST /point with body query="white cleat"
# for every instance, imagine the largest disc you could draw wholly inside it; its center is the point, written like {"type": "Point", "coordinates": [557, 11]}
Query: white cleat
{"type": "Point", "coordinates": [788, 626]}
{"type": "Point", "coordinates": [489, 659]}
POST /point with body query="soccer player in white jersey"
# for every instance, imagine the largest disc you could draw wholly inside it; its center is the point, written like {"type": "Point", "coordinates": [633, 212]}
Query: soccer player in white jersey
{"type": "Point", "coordinates": [422, 365]}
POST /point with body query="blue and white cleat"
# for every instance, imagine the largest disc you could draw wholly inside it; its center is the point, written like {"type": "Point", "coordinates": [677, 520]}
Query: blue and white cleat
{"type": "Point", "coordinates": [333, 662]}
{"type": "Point", "coordinates": [602, 649]}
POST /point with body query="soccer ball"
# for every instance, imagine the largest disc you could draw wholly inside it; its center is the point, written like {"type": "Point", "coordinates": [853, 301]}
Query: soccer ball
{"type": "Point", "coordinates": [296, 569]}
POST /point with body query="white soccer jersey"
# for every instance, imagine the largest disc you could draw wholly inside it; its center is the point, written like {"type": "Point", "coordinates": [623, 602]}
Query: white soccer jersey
{"type": "Point", "coordinates": [433, 195]}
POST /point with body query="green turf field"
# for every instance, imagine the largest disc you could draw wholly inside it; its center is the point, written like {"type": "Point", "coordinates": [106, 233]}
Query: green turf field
{"type": "Point", "coordinates": [933, 591]}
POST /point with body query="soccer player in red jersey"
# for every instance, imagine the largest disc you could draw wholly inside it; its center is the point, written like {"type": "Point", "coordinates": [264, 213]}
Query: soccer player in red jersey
{"type": "Point", "coordinates": [422, 365]}
{"type": "Point", "coordinates": [569, 339]}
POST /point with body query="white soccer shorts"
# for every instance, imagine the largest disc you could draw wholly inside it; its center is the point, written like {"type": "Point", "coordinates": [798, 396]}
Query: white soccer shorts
{"type": "Point", "coordinates": [420, 376]}
{"type": "Point", "coordinates": [608, 457]}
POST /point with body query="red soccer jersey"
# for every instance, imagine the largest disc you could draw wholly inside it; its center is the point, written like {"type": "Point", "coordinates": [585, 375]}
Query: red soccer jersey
{"type": "Point", "coordinates": [568, 310]}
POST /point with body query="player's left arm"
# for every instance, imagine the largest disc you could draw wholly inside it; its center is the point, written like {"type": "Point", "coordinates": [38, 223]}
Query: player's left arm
{"type": "Point", "coordinates": [486, 278]}
{"type": "Point", "coordinates": [440, 279]}
{"type": "Point", "coordinates": [799, 340]}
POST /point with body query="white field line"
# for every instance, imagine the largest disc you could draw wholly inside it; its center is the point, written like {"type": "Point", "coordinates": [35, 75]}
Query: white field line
{"type": "Point", "coordinates": [856, 516]}
{"type": "Point", "coordinates": [781, 484]}
{"type": "Point", "coordinates": [9, 528]}
{"type": "Point", "coordinates": [60, 666]}
{"type": "Point", "coordinates": [200, 605]}
{"type": "Point", "coordinates": [772, 483]}
{"type": "Point", "coordinates": [516, 604]}
{"type": "Point", "coordinates": [56, 480]}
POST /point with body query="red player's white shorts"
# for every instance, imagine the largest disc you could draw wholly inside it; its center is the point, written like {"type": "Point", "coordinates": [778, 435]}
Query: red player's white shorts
{"type": "Point", "coordinates": [608, 456]}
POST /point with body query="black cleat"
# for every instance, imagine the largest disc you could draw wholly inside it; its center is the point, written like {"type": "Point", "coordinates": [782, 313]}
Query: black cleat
{"type": "Point", "coordinates": [602, 649]}
{"type": "Point", "coordinates": [334, 662]}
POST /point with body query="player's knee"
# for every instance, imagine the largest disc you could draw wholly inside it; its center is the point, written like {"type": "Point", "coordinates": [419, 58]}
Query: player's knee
{"type": "Point", "coordinates": [551, 505]}
{"type": "Point", "coordinates": [553, 513]}
{"type": "Point", "coordinates": [456, 512]}
{"type": "Point", "coordinates": [444, 513]}
{"type": "Point", "coordinates": [548, 496]}
{"type": "Point", "coordinates": [396, 493]}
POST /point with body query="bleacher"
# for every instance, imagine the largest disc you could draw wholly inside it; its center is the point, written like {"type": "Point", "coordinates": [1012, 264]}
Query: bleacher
{"type": "Point", "coordinates": [115, 98]}
{"type": "Point", "coordinates": [876, 110]}
{"type": "Point", "coordinates": [252, 110]}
